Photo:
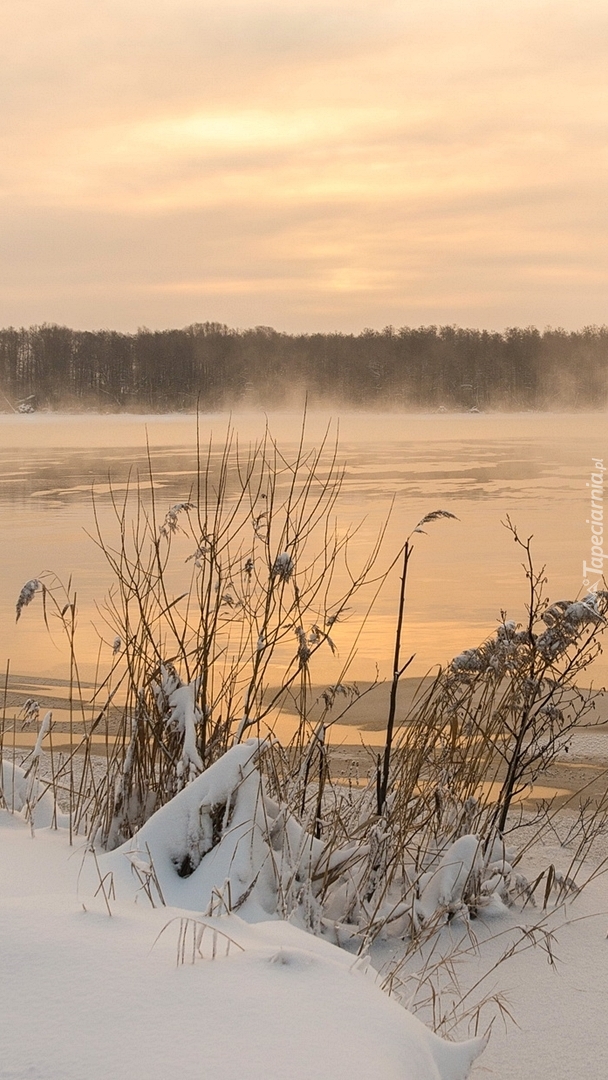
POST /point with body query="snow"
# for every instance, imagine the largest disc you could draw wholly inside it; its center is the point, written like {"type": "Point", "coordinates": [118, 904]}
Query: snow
{"type": "Point", "coordinates": [586, 746]}
{"type": "Point", "coordinates": [221, 836]}
{"type": "Point", "coordinates": [86, 994]}
{"type": "Point", "coordinates": [178, 701]}
{"type": "Point", "coordinates": [560, 1014]}
{"type": "Point", "coordinates": [117, 966]}
{"type": "Point", "coordinates": [23, 793]}
{"type": "Point", "coordinates": [558, 1025]}
{"type": "Point", "coordinates": [443, 887]}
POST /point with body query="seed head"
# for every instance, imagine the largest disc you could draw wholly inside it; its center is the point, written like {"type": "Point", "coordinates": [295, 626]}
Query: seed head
{"type": "Point", "coordinates": [26, 595]}
{"type": "Point", "coordinates": [283, 566]}
{"type": "Point", "coordinates": [433, 516]}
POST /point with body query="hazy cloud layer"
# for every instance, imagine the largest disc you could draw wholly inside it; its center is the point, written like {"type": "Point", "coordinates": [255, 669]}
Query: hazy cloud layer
{"type": "Point", "coordinates": [311, 165]}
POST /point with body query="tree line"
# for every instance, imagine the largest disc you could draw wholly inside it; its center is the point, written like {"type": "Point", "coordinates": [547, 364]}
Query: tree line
{"type": "Point", "coordinates": [428, 367]}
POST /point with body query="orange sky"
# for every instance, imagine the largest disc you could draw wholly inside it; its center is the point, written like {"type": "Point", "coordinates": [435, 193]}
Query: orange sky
{"type": "Point", "coordinates": [306, 164]}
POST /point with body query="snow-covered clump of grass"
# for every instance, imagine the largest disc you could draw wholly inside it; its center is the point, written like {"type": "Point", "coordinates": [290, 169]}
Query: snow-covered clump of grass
{"type": "Point", "coordinates": [25, 795]}
{"type": "Point", "coordinates": [221, 843]}
{"type": "Point", "coordinates": [224, 845]}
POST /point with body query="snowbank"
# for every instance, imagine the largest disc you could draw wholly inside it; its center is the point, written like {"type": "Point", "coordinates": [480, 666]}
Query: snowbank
{"type": "Point", "coordinates": [83, 994]}
{"type": "Point", "coordinates": [86, 995]}
{"type": "Point", "coordinates": [221, 843]}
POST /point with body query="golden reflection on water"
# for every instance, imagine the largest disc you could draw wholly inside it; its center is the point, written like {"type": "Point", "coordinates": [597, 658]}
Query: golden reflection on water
{"type": "Point", "coordinates": [533, 467]}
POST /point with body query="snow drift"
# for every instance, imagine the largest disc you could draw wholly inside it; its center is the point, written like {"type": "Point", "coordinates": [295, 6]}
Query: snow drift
{"type": "Point", "coordinates": [282, 1003]}
{"type": "Point", "coordinates": [220, 844]}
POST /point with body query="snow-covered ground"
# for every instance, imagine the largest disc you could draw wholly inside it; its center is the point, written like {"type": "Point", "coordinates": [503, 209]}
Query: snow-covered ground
{"type": "Point", "coordinates": [558, 1026]}
{"type": "Point", "coordinates": [110, 987]}
{"type": "Point", "coordinates": [85, 995]}
{"type": "Point", "coordinates": [560, 1013]}
{"type": "Point", "coordinates": [586, 745]}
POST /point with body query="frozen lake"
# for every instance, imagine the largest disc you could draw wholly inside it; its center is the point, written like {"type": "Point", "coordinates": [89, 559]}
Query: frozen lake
{"type": "Point", "coordinates": [534, 467]}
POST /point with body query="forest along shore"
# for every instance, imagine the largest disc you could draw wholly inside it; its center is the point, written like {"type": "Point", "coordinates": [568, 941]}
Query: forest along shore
{"type": "Point", "coordinates": [404, 367]}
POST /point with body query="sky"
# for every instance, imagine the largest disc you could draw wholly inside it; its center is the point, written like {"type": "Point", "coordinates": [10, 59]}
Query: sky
{"type": "Point", "coordinates": [305, 164]}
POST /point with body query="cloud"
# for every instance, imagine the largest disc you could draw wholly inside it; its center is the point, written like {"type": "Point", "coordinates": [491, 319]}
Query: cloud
{"type": "Point", "coordinates": [312, 163]}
